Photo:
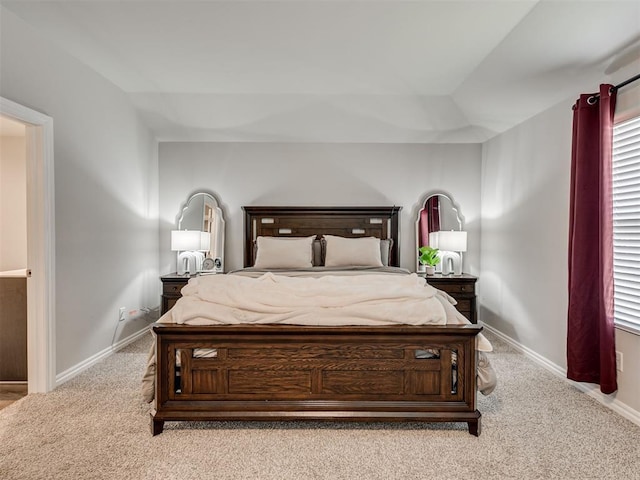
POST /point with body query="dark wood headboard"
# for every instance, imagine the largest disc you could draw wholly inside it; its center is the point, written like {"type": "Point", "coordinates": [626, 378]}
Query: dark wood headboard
{"type": "Point", "coordinates": [380, 222]}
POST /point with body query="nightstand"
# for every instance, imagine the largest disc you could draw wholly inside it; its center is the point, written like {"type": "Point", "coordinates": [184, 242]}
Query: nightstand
{"type": "Point", "coordinates": [461, 287]}
{"type": "Point", "coordinates": [171, 286]}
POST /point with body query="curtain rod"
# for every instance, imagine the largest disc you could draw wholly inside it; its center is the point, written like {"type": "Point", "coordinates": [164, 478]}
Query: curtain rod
{"type": "Point", "coordinates": [594, 98]}
{"type": "Point", "coordinates": [626, 82]}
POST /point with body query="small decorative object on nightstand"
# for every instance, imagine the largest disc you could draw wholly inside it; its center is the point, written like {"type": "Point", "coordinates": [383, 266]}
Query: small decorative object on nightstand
{"type": "Point", "coordinates": [209, 265]}
{"type": "Point", "coordinates": [429, 258]}
{"type": "Point", "coordinates": [461, 287]}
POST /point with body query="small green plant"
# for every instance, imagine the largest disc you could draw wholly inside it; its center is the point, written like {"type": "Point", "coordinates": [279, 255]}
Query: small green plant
{"type": "Point", "coordinates": [429, 256]}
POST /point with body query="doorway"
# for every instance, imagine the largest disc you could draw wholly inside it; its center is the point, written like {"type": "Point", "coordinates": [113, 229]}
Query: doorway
{"type": "Point", "coordinates": [13, 260]}
{"type": "Point", "coordinates": [40, 271]}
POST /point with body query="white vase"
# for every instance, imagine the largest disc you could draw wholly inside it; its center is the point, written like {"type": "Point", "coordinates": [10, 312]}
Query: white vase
{"type": "Point", "coordinates": [430, 270]}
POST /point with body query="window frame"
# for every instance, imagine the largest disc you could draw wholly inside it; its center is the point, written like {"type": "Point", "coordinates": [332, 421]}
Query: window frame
{"type": "Point", "coordinates": [626, 224]}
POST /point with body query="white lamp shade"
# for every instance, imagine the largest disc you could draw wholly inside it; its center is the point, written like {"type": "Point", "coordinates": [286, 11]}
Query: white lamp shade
{"type": "Point", "coordinates": [184, 240]}
{"type": "Point", "coordinates": [434, 239]}
{"type": "Point", "coordinates": [205, 242]}
{"type": "Point", "coordinates": [452, 241]}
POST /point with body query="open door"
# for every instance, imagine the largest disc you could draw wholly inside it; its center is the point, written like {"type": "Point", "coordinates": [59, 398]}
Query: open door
{"type": "Point", "coordinates": [40, 245]}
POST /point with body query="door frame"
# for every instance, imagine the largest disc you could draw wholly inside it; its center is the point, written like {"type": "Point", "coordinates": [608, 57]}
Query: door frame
{"type": "Point", "coordinates": [41, 352]}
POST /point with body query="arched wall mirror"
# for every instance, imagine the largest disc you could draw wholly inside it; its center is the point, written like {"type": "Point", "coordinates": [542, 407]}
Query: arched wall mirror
{"type": "Point", "coordinates": [202, 213]}
{"type": "Point", "coordinates": [438, 213]}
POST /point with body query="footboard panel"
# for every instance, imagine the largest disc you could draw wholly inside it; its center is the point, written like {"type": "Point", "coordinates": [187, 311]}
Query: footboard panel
{"type": "Point", "coordinates": [269, 372]}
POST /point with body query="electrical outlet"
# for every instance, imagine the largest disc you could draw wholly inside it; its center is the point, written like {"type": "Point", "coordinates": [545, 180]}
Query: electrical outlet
{"type": "Point", "coordinates": [619, 361]}
{"type": "Point", "coordinates": [121, 316]}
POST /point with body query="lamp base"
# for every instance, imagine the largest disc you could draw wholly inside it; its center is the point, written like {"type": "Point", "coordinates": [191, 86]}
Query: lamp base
{"type": "Point", "coordinates": [186, 263]}
{"type": "Point", "coordinates": [189, 262]}
{"type": "Point", "coordinates": [451, 263]}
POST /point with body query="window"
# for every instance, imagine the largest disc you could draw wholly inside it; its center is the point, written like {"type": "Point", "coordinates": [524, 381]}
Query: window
{"type": "Point", "coordinates": [626, 224]}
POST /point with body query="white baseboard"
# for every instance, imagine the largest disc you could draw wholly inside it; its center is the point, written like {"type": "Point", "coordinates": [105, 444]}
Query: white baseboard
{"type": "Point", "coordinates": [92, 360]}
{"type": "Point", "coordinates": [590, 389]}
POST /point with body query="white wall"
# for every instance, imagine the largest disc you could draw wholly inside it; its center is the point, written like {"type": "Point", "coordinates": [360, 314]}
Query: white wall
{"type": "Point", "coordinates": [318, 174]}
{"type": "Point", "coordinates": [105, 191]}
{"type": "Point", "coordinates": [13, 203]}
{"type": "Point", "coordinates": [525, 228]}
{"type": "Point", "coordinates": [629, 379]}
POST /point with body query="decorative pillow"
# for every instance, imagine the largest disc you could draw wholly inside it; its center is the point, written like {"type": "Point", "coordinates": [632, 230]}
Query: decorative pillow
{"type": "Point", "coordinates": [317, 252]}
{"type": "Point", "coordinates": [352, 252]}
{"type": "Point", "coordinates": [284, 252]}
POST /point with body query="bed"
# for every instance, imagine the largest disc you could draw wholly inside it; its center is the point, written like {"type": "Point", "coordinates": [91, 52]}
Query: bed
{"type": "Point", "coordinates": [292, 370]}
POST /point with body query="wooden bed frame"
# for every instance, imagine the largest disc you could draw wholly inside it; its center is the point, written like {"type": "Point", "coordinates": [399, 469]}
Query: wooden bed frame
{"type": "Point", "coordinates": [288, 372]}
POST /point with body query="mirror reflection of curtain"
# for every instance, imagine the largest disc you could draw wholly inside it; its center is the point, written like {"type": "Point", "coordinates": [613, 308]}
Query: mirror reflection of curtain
{"type": "Point", "coordinates": [429, 219]}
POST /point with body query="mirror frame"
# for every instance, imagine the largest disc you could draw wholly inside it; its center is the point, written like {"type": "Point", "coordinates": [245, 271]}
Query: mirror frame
{"type": "Point", "coordinates": [216, 229]}
{"type": "Point", "coordinates": [421, 207]}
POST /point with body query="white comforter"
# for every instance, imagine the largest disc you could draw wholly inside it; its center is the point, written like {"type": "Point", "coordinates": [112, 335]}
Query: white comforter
{"type": "Point", "coordinates": [329, 300]}
{"type": "Point", "coordinates": [371, 299]}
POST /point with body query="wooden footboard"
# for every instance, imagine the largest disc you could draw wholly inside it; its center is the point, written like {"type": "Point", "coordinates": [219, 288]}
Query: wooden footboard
{"type": "Point", "coordinates": [285, 372]}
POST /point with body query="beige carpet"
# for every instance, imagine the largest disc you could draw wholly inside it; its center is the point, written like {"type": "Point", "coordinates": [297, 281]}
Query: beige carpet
{"type": "Point", "coordinates": [96, 427]}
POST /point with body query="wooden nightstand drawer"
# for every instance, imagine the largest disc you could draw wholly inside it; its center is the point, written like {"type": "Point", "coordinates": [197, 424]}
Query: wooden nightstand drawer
{"type": "Point", "coordinates": [169, 303]}
{"type": "Point", "coordinates": [454, 287]}
{"type": "Point", "coordinates": [172, 288]}
{"type": "Point", "coordinates": [463, 305]}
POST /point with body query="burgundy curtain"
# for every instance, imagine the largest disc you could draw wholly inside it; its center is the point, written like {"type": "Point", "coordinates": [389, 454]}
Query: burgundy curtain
{"type": "Point", "coordinates": [429, 219]}
{"type": "Point", "coordinates": [433, 206]}
{"type": "Point", "coordinates": [590, 330]}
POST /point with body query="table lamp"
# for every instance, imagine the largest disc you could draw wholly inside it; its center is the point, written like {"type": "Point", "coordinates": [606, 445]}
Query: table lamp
{"type": "Point", "coordinates": [451, 244]}
{"type": "Point", "coordinates": [189, 244]}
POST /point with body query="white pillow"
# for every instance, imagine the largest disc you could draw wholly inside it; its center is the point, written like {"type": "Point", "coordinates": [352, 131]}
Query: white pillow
{"type": "Point", "coordinates": [352, 252]}
{"type": "Point", "coordinates": [284, 252]}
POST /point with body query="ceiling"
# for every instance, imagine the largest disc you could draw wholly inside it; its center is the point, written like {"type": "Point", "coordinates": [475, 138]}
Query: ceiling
{"type": "Point", "coordinates": [341, 71]}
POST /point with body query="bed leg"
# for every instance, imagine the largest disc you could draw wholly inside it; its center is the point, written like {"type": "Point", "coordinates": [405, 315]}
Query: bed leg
{"type": "Point", "coordinates": [474, 427]}
{"type": "Point", "coordinates": [156, 426]}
